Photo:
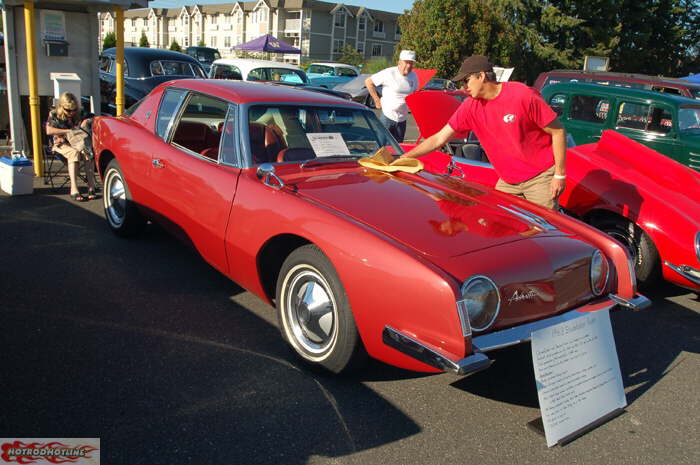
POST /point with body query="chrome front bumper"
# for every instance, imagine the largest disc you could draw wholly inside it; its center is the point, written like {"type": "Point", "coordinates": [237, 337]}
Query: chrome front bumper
{"type": "Point", "coordinates": [491, 341]}
{"type": "Point", "coordinates": [688, 272]}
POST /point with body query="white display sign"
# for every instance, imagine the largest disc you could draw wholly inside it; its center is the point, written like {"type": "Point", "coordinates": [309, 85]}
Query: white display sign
{"type": "Point", "coordinates": [577, 374]}
{"type": "Point", "coordinates": [327, 144]}
{"type": "Point", "coordinates": [53, 25]}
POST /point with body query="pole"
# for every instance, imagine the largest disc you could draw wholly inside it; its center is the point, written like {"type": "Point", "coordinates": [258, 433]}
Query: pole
{"type": "Point", "coordinates": [33, 89]}
{"type": "Point", "coordinates": [120, 61]}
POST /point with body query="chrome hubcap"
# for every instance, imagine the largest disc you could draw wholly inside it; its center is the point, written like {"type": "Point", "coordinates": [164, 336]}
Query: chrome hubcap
{"type": "Point", "coordinates": [310, 310]}
{"type": "Point", "coordinates": [115, 198]}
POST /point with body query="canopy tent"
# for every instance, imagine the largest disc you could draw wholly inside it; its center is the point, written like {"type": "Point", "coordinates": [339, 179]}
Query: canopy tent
{"type": "Point", "coordinates": [693, 78]}
{"type": "Point", "coordinates": [267, 43]}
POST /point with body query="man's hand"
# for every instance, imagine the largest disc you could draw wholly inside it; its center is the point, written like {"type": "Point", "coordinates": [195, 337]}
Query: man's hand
{"type": "Point", "coordinates": [557, 187]}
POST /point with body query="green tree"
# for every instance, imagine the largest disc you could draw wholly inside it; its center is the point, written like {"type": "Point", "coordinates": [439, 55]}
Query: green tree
{"type": "Point", "coordinates": [201, 43]}
{"type": "Point", "coordinates": [109, 41]}
{"type": "Point", "coordinates": [175, 46]}
{"type": "Point", "coordinates": [143, 42]}
{"type": "Point", "coordinates": [351, 56]}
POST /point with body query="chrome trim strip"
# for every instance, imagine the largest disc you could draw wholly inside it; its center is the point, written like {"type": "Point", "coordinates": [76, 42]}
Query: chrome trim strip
{"type": "Point", "coordinates": [697, 167]}
{"type": "Point", "coordinates": [689, 273]}
{"type": "Point", "coordinates": [529, 216]}
{"type": "Point", "coordinates": [697, 245]}
{"type": "Point", "coordinates": [463, 312]}
{"type": "Point", "coordinates": [522, 333]}
{"type": "Point", "coordinates": [414, 349]}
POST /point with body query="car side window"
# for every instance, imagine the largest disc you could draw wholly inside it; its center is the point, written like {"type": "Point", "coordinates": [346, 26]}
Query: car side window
{"type": "Point", "coordinates": [557, 102]}
{"type": "Point", "coordinates": [200, 125]}
{"type": "Point", "coordinates": [660, 120]}
{"type": "Point", "coordinates": [228, 137]}
{"type": "Point", "coordinates": [156, 68]}
{"type": "Point", "coordinates": [105, 64]}
{"type": "Point", "coordinates": [589, 108]}
{"type": "Point", "coordinates": [632, 115]}
{"type": "Point", "coordinates": [667, 90]}
{"type": "Point", "coordinates": [226, 72]}
{"type": "Point", "coordinates": [169, 105]}
{"type": "Point", "coordinates": [346, 72]}
{"type": "Point", "coordinates": [257, 74]}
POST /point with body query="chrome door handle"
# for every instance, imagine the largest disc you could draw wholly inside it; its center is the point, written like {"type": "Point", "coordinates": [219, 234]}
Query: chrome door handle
{"type": "Point", "coordinates": [157, 163]}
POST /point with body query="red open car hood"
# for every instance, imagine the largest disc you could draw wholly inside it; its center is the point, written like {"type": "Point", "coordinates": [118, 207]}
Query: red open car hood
{"type": "Point", "coordinates": [431, 110]}
{"type": "Point", "coordinates": [435, 215]}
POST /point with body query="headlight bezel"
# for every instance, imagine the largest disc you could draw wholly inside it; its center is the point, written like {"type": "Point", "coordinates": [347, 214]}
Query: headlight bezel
{"type": "Point", "coordinates": [464, 308]}
{"type": "Point", "coordinates": [597, 255]}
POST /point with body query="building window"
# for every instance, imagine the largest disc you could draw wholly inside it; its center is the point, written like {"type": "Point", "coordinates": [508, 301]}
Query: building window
{"type": "Point", "coordinates": [378, 26]}
{"type": "Point", "coordinates": [361, 47]}
{"type": "Point", "coordinates": [376, 50]}
{"type": "Point", "coordinates": [227, 41]}
{"type": "Point", "coordinates": [186, 41]}
{"type": "Point", "coordinates": [362, 23]}
{"type": "Point", "coordinates": [212, 40]}
{"type": "Point", "coordinates": [338, 45]}
{"type": "Point", "coordinates": [340, 19]}
{"type": "Point", "coordinates": [397, 34]}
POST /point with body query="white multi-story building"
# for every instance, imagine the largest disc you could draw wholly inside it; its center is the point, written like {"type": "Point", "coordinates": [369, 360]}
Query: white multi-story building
{"type": "Point", "coordinates": [319, 29]}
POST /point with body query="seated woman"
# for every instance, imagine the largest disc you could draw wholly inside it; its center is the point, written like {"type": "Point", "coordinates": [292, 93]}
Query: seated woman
{"type": "Point", "coordinates": [70, 135]}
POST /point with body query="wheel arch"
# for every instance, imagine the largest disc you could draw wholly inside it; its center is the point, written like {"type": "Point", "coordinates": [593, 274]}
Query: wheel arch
{"type": "Point", "coordinates": [271, 256]}
{"type": "Point", "coordinates": [104, 158]}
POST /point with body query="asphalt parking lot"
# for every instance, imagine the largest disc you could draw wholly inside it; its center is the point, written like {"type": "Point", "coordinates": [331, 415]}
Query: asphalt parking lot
{"type": "Point", "coordinates": [141, 343]}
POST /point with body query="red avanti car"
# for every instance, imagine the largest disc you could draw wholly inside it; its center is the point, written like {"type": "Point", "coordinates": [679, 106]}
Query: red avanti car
{"type": "Point", "coordinates": [422, 271]}
{"type": "Point", "coordinates": [643, 199]}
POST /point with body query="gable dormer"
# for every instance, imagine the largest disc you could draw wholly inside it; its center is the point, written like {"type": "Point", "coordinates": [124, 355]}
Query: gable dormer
{"type": "Point", "coordinates": [340, 14]}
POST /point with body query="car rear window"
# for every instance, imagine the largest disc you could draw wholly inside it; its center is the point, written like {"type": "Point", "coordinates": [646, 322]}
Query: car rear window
{"type": "Point", "coordinates": [277, 74]}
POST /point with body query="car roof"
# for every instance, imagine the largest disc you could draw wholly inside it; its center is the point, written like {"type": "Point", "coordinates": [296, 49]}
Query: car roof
{"type": "Point", "coordinates": [622, 76]}
{"type": "Point", "coordinates": [246, 64]}
{"type": "Point", "coordinates": [258, 92]}
{"type": "Point", "coordinates": [334, 65]}
{"type": "Point", "coordinates": [622, 91]}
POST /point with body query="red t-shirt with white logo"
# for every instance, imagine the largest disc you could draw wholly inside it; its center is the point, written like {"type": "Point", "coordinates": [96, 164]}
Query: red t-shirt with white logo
{"type": "Point", "coordinates": [509, 128]}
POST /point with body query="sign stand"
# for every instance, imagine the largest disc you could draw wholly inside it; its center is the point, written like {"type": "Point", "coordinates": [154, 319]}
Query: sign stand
{"type": "Point", "coordinates": [537, 426]}
{"type": "Point", "coordinates": [579, 385]}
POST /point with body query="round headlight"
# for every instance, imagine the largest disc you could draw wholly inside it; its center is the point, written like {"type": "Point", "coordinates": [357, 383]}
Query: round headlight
{"type": "Point", "coordinates": [482, 301]}
{"type": "Point", "coordinates": [599, 272]}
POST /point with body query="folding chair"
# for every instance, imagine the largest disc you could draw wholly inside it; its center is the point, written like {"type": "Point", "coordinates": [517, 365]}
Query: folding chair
{"type": "Point", "coordinates": [55, 169]}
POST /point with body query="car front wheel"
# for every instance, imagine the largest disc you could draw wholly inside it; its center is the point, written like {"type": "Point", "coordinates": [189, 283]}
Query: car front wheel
{"type": "Point", "coordinates": [122, 215]}
{"type": "Point", "coordinates": [647, 263]}
{"type": "Point", "coordinates": [314, 314]}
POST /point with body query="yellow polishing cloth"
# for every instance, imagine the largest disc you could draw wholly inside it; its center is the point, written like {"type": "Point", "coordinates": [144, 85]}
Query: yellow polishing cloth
{"type": "Point", "coordinates": [382, 160]}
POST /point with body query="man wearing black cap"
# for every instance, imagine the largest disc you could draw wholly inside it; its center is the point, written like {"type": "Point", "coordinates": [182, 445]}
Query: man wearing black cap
{"type": "Point", "coordinates": [521, 135]}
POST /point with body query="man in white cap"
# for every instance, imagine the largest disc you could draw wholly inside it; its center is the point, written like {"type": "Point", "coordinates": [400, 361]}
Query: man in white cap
{"type": "Point", "coordinates": [397, 83]}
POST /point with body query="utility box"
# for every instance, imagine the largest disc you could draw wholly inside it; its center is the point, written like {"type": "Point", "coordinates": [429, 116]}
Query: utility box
{"type": "Point", "coordinates": [16, 176]}
{"type": "Point", "coordinates": [65, 82]}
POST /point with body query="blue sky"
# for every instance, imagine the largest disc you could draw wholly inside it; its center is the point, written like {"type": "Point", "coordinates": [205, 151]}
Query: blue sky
{"type": "Point", "coordinates": [397, 6]}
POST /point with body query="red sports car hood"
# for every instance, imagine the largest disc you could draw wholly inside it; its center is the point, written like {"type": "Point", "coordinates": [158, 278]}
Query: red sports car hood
{"type": "Point", "coordinates": [435, 215]}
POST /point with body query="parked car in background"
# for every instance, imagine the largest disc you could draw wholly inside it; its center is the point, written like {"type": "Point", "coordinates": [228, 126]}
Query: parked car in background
{"type": "Point", "coordinates": [632, 81]}
{"type": "Point", "coordinates": [247, 69]}
{"type": "Point", "coordinates": [204, 55]}
{"type": "Point", "coordinates": [440, 84]}
{"type": "Point", "coordinates": [359, 93]}
{"type": "Point", "coordinates": [144, 68]}
{"type": "Point", "coordinates": [264, 181]}
{"type": "Point", "coordinates": [331, 74]}
{"type": "Point", "coordinates": [647, 201]}
{"type": "Point", "coordinates": [667, 123]}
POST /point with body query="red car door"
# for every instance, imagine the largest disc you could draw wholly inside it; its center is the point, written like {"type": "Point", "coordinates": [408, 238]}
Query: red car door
{"type": "Point", "coordinates": [192, 175]}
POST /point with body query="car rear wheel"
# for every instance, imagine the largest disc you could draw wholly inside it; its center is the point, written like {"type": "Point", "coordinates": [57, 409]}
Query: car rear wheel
{"type": "Point", "coordinates": [647, 263]}
{"type": "Point", "coordinates": [314, 314]}
{"type": "Point", "coordinates": [122, 215]}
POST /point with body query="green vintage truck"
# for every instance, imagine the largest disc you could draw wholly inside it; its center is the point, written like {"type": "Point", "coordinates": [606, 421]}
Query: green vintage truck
{"type": "Point", "coordinates": [667, 123]}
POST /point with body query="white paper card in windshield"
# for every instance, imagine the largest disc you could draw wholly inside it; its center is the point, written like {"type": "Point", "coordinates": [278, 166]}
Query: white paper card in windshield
{"type": "Point", "coordinates": [327, 144]}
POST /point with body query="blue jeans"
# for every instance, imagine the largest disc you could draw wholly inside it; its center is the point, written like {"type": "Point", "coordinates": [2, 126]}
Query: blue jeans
{"type": "Point", "coordinates": [396, 129]}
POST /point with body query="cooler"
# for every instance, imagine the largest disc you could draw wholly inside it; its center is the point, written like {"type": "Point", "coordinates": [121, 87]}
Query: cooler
{"type": "Point", "coordinates": [16, 176]}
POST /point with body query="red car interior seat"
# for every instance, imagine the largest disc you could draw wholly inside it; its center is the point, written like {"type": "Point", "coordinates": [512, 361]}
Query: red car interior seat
{"type": "Point", "coordinates": [296, 154]}
{"type": "Point", "coordinates": [196, 136]}
{"type": "Point", "coordinates": [265, 141]}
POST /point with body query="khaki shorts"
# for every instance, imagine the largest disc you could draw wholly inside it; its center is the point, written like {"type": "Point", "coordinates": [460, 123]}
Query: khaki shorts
{"type": "Point", "coordinates": [536, 190]}
{"type": "Point", "coordinates": [74, 149]}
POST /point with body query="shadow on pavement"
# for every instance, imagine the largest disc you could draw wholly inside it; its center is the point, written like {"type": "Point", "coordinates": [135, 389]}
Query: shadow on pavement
{"type": "Point", "coordinates": [139, 342]}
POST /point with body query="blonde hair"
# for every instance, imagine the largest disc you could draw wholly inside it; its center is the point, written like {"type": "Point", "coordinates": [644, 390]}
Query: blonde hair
{"type": "Point", "coordinates": [67, 100]}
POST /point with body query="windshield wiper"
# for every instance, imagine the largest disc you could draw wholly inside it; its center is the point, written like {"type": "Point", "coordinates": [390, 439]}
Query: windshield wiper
{"type": "Point", "coordinates": [323, 160]}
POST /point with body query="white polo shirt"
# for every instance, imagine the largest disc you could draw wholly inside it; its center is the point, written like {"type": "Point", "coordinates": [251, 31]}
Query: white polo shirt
{"type": "Point", "coordinates": [395, 88]}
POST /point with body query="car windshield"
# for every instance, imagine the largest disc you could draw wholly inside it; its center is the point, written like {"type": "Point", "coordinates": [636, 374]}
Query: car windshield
{"type": "Point", "coordinates": [689, 119]}
{"type": "Point", "coordinates": [284, 133]}
{"type": "Point", "coordinates": [320, 69]}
